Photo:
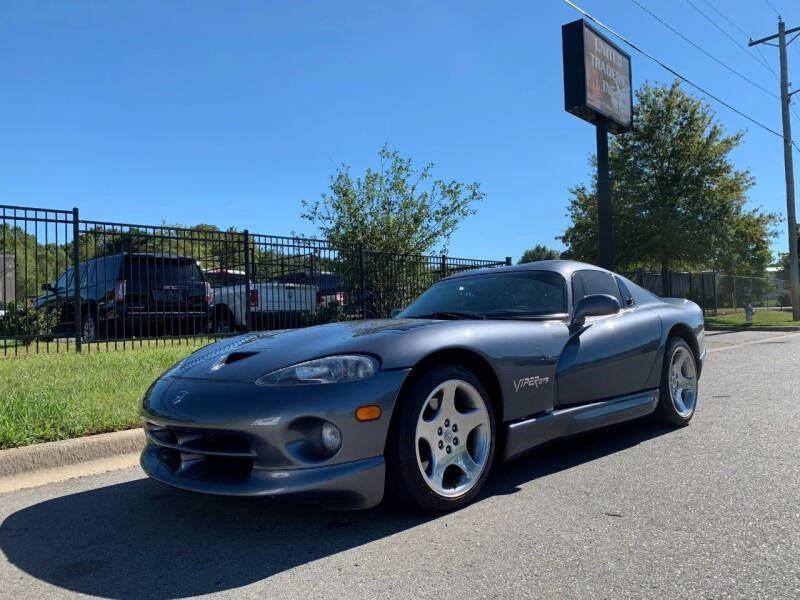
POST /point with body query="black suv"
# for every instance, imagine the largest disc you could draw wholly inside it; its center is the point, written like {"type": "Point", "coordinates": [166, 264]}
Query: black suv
{"type": "Point", "coordinates": [124, 295]}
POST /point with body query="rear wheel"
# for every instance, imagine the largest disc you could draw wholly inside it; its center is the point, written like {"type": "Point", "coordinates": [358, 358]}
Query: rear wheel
{"type": "Point", "coordinates": [222, 323]}
{"type": "Point", "coordinates": [89, 329]}
{"type": "Point", "coordinates": [443, 443]}
{"type": "Point", "coordinates": [679, 385]}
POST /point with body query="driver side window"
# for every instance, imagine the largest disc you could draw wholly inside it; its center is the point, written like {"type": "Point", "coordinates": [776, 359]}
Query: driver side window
{"type": "Point", "coordinates": [589, 282]}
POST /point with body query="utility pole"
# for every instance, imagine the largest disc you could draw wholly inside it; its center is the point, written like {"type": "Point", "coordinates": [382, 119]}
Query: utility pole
{"type": "Point", "coordinates": [794, 274]}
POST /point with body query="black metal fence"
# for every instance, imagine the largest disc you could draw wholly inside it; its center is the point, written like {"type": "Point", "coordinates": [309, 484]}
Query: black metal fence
{"type": "Point", "coordinates": [145, 284]}
{"type": "Point", "coordinates": [140, 285]}
{"type": "Point", "coordinates": [717, 291]}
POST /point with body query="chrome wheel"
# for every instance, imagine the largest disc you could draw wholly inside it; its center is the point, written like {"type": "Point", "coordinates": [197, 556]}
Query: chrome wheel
{"type": "Point", "coordinates": [453, 438]}
{"type": "Point", "coordinates": [683, 381]}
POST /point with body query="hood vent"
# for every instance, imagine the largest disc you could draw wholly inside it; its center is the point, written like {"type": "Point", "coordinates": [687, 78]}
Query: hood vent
{"type": "Point", "coordinates": [237, 356]}
{"type": "Point", "coordinates": [230, 358]}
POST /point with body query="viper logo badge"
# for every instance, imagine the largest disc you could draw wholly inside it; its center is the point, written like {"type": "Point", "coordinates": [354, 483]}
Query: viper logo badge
{"type": "Point", "coordinates": [533, 382]}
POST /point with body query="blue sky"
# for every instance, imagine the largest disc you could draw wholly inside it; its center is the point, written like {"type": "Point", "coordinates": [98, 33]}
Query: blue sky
{"type": "Point", "coordinates": [232, 113]}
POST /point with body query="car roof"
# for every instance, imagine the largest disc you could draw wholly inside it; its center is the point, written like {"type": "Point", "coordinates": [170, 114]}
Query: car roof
{"type": "Point", "coordinates": [564, 267]}
{"type": "Point", "coordinates": [140, 255]}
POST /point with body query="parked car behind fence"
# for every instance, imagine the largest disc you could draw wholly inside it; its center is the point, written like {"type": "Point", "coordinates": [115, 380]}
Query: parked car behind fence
{"type": "Point", "coordinates": [241, 304]}
{"type": "Point", "coordinates": [130, 295]}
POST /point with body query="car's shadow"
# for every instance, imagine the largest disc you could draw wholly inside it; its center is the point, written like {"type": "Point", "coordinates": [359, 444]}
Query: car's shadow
{"type": "Point", "coordinates": [143, 540]}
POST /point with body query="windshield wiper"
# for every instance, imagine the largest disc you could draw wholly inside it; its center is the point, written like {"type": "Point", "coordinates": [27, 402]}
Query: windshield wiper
{"type": "Point", "coordinates": [450, 314]}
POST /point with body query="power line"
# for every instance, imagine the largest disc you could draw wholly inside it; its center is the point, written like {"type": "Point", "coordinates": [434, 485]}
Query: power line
{"type": "Point", "coordinates": [670, 69]}
{"type": "Point", "coordinates": [744, 33]}
{"type": "Point", "coordinates": [726, 34]}
{"type": "Point", "coordinates": [724, 16]}
{"type": "Point", "coordinates": [764, 58]}
{"type": "Point", "coordinates": [711, 56]}
{"type": "Point", "coordinates": [768, 3]}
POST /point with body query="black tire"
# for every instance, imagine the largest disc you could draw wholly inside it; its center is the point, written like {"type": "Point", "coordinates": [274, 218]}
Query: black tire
{"type": "Point", "coordinates": [88, 329]}
{"type": "Point", "coordinates": [222, 323]}
{"type": "Point", "coordinates": [668, 411]}
{"type": "Point", "coordinates": [405, 482]}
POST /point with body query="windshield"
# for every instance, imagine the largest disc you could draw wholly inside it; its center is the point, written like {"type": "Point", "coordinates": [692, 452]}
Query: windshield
{"type": "Point", "coordinates": [509, 294]}
{"type": "Point", "coordinates": [64, 281]}
{"type": "Point", "coordinates": [224, 278]}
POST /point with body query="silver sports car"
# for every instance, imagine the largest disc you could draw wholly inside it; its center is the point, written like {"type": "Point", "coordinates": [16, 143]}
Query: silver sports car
{"type": "Point", "coordinates": [484, 365]}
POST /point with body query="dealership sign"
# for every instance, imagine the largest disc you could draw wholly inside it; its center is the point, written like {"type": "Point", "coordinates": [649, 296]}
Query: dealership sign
{"type": "Point", "coordinates": [597, 77]}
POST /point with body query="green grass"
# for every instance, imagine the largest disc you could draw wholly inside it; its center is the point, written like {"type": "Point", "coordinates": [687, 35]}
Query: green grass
{"type": "Point", "coordinates": [761, 317]}
{"type": "Point", "coordinates": [55, 396]}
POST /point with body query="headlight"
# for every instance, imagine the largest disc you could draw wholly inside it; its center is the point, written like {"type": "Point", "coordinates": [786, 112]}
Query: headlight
{"type": "Point", "coordinates": [331, 369]}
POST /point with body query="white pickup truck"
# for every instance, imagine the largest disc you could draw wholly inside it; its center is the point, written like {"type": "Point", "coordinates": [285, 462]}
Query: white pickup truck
{"type": "Point", "coordinates": [273, 305]}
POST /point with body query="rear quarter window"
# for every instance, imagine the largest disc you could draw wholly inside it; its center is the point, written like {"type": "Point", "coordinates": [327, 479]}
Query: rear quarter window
{"type": "Point", "coordinates": [640, 295]}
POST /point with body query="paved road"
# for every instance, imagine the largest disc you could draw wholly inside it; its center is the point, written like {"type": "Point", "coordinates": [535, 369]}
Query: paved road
{"type": "Point", "coordinates": [708, 511]}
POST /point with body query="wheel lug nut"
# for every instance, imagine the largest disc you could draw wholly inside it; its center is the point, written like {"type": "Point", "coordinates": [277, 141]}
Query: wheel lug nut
{"type": "Point", "coordinates": [455, 441]}
{"type": "Point", "coordinates": [439, 431]}
{"type": "Point", "coordinates": [447, 422]}
{"type": "Point", "coordinates": [448, 449]}
{"type": "Point", "coordinates": [441, 444]}
{"type": "Point", "coordinates": [454, 428]}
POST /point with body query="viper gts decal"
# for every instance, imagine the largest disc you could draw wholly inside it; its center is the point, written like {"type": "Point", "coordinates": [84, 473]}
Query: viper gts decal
{"type": "Point", "coordinates": [534, 382]}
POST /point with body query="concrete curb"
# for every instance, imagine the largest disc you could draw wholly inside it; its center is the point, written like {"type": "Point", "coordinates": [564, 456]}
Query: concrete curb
{"type": "Point", "coordinates": [753, 328]}
{"type": "Point", "coordinates": [48, 455]}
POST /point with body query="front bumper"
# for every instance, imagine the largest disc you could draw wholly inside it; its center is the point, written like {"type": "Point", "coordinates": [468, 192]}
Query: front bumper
{"type": "Point", "coordinates": [237, 438]}
{"type": "Point", "coordinates": [357, 484]}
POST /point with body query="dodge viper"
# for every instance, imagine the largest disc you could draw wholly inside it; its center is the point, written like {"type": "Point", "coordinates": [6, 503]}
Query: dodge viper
{"type": "Point", "coordinates": [483, 366]}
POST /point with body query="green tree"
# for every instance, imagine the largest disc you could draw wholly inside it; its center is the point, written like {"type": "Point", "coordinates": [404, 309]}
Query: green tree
{"type": "Point", "coordinates": [539, 252]}
{"type": "Point", "coordinates": [677, 199]}
{"type": "Point", "coordinates": [396, 208]}
{"type": "Point", "coordinates": [396, 213]}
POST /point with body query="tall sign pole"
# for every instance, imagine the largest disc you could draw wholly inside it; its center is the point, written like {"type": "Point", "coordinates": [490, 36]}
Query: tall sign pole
{"type": "Point", "coordinates": [597, 88]}
{"type": "Point", "coordinates": [794, 267]}
{"type": "Point", "coordinates": [605, 249]}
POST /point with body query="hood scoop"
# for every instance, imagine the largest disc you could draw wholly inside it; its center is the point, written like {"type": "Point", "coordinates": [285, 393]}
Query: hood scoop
{"type": "Point", "coordinates": [230, 359]}
{"type": "Point", "coordinates": [236, 356]}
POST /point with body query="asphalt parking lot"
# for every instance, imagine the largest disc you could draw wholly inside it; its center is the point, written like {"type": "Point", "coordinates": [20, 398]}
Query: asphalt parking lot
{"type": "Point", "coordinates": [708, 511]}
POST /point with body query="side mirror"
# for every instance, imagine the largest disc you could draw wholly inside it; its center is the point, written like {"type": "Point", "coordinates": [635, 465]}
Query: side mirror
{"type": "Point", "coordinates": [46, 287]}
{"type": "Point", "coordinates": [393, 313]}
{"type": "Point", "coordinates": [596, 305]}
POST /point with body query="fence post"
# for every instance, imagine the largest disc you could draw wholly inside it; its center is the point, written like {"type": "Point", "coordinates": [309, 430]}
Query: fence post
{"type": "Point", "coordinates": [703, 288]}
{"type": "Point", "coordinates": [508, 261]}
{"type": "Point", "coordinates": [443, 270]}
{"type": "Point", "coordinates": [246, 234]}
{"type": "Point", "coordinates": [714, 290]}
{"type": "Point", "coordinates": [76, 279]}
{"type": "Point", "coordinates": [363, 281]}
{"type": "Point", "coordinates": [641, 276]}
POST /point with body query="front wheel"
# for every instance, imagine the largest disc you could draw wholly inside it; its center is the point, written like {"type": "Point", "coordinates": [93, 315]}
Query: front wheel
{"type": "Point", "coordinates": [679, 386]}
{"type": "Point", "coordinates": [442, 446]}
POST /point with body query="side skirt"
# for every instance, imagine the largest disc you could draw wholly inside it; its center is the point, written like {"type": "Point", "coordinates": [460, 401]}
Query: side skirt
{"type": "Point", "coordinates": [525, 435]}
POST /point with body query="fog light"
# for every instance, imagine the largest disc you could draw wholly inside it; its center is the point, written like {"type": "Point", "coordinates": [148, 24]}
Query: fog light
{"type": "Point", "coordinates": [331, 437]}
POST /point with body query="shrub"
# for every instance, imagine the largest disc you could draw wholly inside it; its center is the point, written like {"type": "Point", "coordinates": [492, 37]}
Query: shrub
{"type": "Point", "coordinates": [23, 320]}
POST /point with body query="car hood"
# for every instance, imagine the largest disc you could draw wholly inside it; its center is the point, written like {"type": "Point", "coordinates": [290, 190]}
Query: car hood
{"type": "Point", "coordinates": [249, 356]}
